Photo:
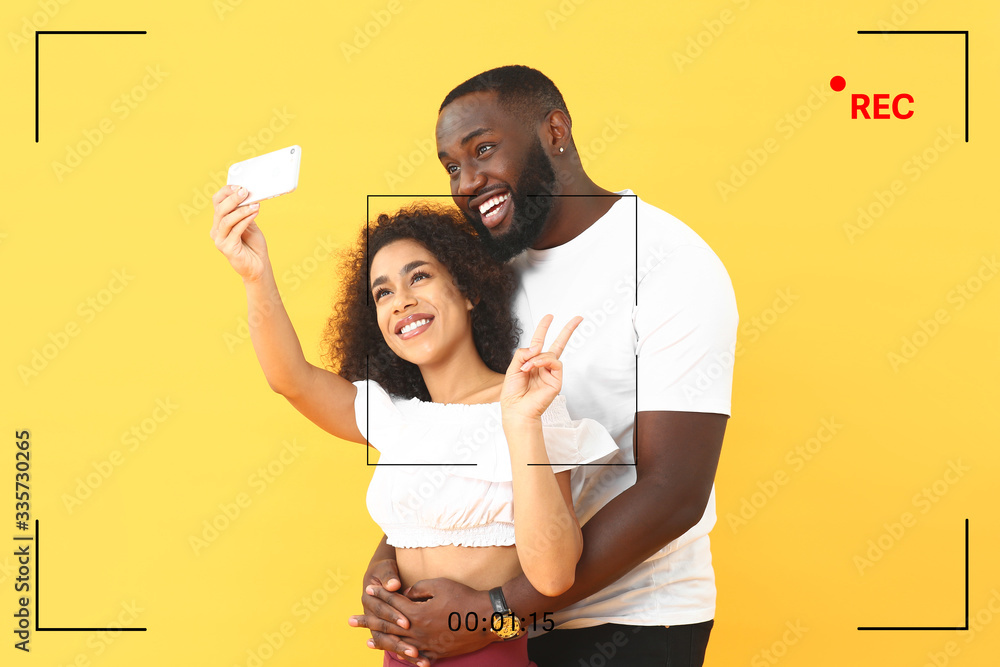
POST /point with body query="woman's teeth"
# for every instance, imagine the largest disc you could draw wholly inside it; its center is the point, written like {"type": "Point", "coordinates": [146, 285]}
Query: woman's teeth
{"type": "Point", "coordinates": [413, 325]}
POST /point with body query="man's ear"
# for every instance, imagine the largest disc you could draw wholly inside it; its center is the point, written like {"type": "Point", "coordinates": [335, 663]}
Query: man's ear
{"type": "Point", "coordinates": [556, 129]}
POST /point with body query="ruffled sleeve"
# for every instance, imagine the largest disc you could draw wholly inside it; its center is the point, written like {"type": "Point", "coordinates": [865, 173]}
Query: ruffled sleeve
{"type": "Point", "coordinates": [378, 418]}
{"type": "Point", "coordinates": [570, 443]}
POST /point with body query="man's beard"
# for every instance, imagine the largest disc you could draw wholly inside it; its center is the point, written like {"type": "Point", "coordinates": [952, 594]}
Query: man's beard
{"type": "Point", "coordinates": [532, 198]}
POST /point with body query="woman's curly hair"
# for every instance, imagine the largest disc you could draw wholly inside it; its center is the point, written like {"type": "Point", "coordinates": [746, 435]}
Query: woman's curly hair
{"type": "Point", "coordinates": [352, 343]}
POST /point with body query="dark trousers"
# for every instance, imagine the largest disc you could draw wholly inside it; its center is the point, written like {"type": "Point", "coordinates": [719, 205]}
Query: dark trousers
{"type": "Point", "coordinates": [612, 645]}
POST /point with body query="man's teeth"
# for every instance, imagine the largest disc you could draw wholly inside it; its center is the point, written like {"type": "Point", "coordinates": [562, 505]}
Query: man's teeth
{"type": "Point", "coordinates": [413, 325]}
{"type": "Point", "coordinates": [491, 202]}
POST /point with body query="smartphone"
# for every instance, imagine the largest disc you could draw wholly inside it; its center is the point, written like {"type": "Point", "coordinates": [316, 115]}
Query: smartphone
{"type": "Point", "coordinates": [268, 175]}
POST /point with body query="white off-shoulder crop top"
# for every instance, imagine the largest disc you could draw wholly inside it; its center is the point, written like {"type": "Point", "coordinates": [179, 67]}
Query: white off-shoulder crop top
{"type": "Point", "coordinates": [444, 474]}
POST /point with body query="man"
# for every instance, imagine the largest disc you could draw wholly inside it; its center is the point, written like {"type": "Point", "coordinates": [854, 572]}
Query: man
{"type": "Point", "coordinates": [652, 362]}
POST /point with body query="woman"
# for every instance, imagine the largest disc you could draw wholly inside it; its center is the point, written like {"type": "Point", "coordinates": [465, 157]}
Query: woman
{"type": "Point", "coordinates": [419, 343]}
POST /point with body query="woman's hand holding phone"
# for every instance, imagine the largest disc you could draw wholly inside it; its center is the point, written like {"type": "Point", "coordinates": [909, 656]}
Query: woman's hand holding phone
{"type": "Point", "coordinates": [235, 233]}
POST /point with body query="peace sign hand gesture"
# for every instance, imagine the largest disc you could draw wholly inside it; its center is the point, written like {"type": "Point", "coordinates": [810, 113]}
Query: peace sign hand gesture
{"type": "Point", "coordinates": [534, 377]}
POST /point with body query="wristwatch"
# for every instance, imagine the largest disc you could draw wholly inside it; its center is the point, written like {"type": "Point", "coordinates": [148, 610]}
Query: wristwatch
{"type": "Point", "coordinates": [510, 627]}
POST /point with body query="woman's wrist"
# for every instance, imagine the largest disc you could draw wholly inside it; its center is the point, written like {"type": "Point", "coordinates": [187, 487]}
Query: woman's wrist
{"type": "Point", "coordinates": [516, 423]}
{"type": "Point", "coordinates": [260, 278]}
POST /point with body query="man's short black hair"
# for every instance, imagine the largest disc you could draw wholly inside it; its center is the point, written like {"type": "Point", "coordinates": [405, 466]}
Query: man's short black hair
{"type": "Point", "coordinates": [523, 91]}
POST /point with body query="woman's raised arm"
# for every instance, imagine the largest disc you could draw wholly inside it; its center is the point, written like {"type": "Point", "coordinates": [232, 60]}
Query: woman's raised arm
{"type": "Point", "coordinates": [324, 397]}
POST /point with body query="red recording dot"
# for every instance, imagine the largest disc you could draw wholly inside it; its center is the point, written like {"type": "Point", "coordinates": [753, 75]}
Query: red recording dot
{"type": "Point", "coordinates": [838, 83]}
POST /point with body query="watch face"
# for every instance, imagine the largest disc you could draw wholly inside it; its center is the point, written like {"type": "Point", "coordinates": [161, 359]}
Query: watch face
{"type": "Point", "coordinates": [510, 628]}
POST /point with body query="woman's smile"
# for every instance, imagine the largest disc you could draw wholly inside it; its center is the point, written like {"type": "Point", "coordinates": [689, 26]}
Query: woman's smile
{"type": "Point", "coordinates": [413, 325]}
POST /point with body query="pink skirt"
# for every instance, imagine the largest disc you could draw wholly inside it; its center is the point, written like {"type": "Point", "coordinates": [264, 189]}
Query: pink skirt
{"type": "Point", "coordinates": [498, 654]}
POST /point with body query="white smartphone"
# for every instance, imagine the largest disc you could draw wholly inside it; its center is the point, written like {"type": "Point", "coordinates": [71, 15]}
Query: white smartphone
{"type": "Point", "coordinates": [268, 175]}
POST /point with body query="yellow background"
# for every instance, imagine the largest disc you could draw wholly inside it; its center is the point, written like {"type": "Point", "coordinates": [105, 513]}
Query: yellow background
{"type": "Point", "coordinates": [279, 73]}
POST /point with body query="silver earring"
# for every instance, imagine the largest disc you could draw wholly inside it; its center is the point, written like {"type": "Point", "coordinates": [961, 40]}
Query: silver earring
{"type": "Point", "coordinates": [561, 149]}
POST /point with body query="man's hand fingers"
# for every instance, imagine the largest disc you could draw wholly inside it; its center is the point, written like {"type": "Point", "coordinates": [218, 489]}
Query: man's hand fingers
{"type": "Point", "coordinates": [385, 574]}
{"type": "Point", "coordinates": [384, 610]}
{"type": "Point", "coordinates": [559, 344]}
{"type": "Point", "coordinates": [421, 590]}
{"type": "Point", "coordinates": [376, 624]}
{"type": "Point", "coordinates": [391, 584]}
{"type": "Point", "coordinates": [396, 645]}
{"type": "Point", "coordinates": [394, 601]}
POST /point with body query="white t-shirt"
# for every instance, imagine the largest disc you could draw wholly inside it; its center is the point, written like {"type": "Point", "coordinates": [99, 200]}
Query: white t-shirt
{"type": "Point", "coordinates": [682, 328]}
{"type": "Point", "coordinates": [444, 474]}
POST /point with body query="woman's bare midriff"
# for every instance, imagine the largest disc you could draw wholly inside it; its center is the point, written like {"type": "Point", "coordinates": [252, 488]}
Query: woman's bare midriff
{"type": "Point", "coordinates": [481, 568]}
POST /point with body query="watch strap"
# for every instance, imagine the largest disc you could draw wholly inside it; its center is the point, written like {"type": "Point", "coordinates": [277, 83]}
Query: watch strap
{"type": "Point", "coordinates": [498, 601]}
